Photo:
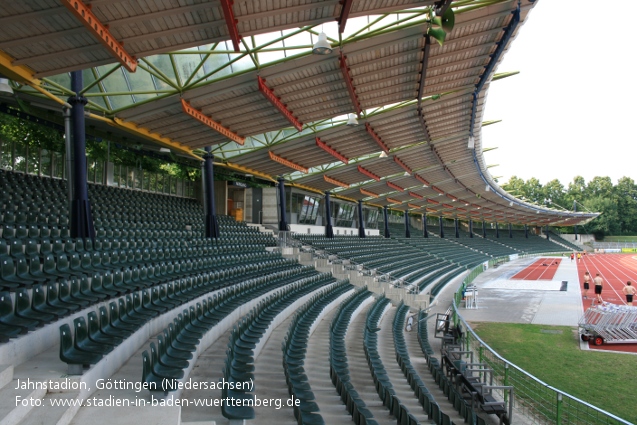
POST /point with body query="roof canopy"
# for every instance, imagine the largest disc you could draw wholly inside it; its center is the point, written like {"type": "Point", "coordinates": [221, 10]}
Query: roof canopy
{"type": "Point", "coordinates": [241, 77]}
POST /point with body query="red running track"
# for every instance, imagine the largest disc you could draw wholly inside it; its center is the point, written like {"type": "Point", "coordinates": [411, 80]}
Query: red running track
{"type": "Point", "coordinates": [615, 270]}
{"type": "Point", "coordinates": [542, 269]}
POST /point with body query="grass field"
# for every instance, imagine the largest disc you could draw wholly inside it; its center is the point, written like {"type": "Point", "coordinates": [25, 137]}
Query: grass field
{"type": "Point", "coordinates": [606, 380]}
{"type": "Point", "coordinates": [632, 239]}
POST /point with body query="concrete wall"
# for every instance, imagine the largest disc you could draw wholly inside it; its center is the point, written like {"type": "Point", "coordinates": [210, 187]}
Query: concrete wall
{"type": "Point", "coordinates": [221, 197]}
{"type": "Point", "coordinates": [581, 239]}
{"type": "Point", "coordinates": [320, 230]}
{"type": "Point", "coordinates": [270, 212]}
{"type": "Point", "coordinates": [247, 209]}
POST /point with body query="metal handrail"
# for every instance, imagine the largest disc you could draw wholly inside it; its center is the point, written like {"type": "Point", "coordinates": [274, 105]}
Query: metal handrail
{"type": "Point", "coordinates": [559, 395]}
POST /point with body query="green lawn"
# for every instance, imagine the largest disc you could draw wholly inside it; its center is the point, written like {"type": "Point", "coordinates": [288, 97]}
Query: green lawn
{"type": "Point", "coordinates": [606, 380]}
{"type": "Point", "coordinates": [632, 239]}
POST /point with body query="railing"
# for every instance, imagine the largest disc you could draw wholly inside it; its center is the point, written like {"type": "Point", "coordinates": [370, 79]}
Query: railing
{"type": "Point", "coordinates": [536, 401]}
{"type": "Point", "coordinates": [394, 281]}
{"type": "Point", "coordinates": [47, 163]}
{"type": "Point", "coordinates": [614, 245]}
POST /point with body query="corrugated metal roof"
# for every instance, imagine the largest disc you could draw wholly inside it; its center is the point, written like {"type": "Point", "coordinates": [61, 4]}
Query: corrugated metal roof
{"type": "Point", "coordinates": [427, 139]}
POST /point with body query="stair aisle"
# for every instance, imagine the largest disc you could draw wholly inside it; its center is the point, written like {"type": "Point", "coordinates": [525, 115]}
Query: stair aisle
{"type": "Point", "coordinates": [207, 369]}
{"type": "Point", "coordinates": [122, 403]}
{"type": "Point", "coordinates": [269, 380]}
{"type": "Point", "coordinates": [318, 372]}
{"type": "Point", "coordinates": [395, 374]}
{"type": "Point", "coordinates": [360, 375]}
{"type": "Point", "coordinates": [420, 364]}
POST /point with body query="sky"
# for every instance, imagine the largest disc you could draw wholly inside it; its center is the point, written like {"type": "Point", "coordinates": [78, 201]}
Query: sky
{"type": "Point", "coordinates": [571, 110]}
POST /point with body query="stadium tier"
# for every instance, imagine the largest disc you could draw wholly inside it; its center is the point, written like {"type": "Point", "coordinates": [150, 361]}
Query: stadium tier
{"type": "Point", "coordinates": [140, 301]}
{"type": "Point", "coordinates": [150, 300]}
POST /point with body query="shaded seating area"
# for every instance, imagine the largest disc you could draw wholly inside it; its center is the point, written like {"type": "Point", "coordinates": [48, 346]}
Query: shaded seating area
{"type": "Point", "coordinates": [51, 275]}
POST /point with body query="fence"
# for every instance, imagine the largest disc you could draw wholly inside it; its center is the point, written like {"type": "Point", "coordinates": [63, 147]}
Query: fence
{"type": "Point", "coordinates": [534, 401]}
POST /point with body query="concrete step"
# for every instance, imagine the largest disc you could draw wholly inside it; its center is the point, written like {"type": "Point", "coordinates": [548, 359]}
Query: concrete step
{"type": "Point", "coordinates": [261, 228]}
{"type": "Point", "coordinates": [332, 409]}
{"type": "Point", "coordinates": [17, 402]}
{"type": "Point", "coordinates": [6, 374]}
{"type": "Point", "coordinates": [207, 369]}
{"type": "Point", "coordinates": [55, 410]}
{"type": "Point", "coordinates": [396, 377]}
{"type": "Point", "coordinates": [270, 380]}
{"type": "Point", "coordinates": [360, 375]}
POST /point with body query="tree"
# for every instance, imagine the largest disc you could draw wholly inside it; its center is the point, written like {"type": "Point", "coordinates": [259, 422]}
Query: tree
{"type": "Point", "coordinates": [555, 195]}
{"type": "Point", "coordinates": [625, 193]}
{"type": "Point", "coordinates": [533, 191]}
{"type": "Point", "coordinates": [576, 190]}
{"type": "Point", "coordinates": [608, 222]}
{"type": "Point", "coordinates": [599, 187]}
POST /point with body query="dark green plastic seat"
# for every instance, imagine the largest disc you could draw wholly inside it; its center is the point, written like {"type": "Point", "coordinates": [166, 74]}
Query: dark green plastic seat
{"type": "Point", "coordinates": [126, 314]}
{"type": "Point", "coordinates": [106, 327]}
{"type": "Point", "coordinates": [8, 317]}
{"type": "Point", "coordinates": [53, 299]}
{"type": "Point", "coordinates": [82, 341]}
{"type": "Point", "coordinates": [169, 335]}
{"type": "Point", "coordinates": [164, 345]}
{"type": "Point", "coordinates": [95, 333]}
{"type": "Point", "coordinates": [70, 354]}
{"type": "Point", "coordinates": [23, 308]}
{"type": "Point", "coordinates": [8, 278]}
{"type": "Point", "coordinates": [116, 322]}
{"type": "Point", "coordinates": [7, 332]}
{"type": "Point", "coordinates": [154, 383]}
{"type": "Point", "coordinates": [163, 370]}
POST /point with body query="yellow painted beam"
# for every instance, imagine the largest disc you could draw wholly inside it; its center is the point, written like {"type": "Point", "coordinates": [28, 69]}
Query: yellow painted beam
{"type": "Point", "coordinates": [21, 74]}
{"type": "Point", "coordinates": [140, 131]}
{"type": "Point", "coordinates": [304, 187]}
{"type": "Point", "coordinates": [24, 75]}
{"type": "Point", "coordinates": [344, 198]}
{"type": "Point", "coordinates": [247, 170]}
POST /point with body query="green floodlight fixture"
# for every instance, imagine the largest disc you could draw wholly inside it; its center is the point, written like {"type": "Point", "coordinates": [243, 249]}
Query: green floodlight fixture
{"type": "Point", "coordinates": [442, 25]}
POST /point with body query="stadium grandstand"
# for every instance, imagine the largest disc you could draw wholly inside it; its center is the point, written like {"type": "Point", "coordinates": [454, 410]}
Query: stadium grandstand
{"type": "Point", "coordinates": [340, 188]}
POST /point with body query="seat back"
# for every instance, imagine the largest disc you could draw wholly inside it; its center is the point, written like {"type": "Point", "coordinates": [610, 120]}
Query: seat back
{"type": "Point", "coordinates": [17, 248]}
{"type": "Point", "coordinates": [93, 323]}
{"type": "Point", "coordinates": [113, 312]}
{"type": "Point", "coordinates": [147, 366]}
{"type": "Point", "coordinates": [22, 301]}
{"type": "Point", "coordinates": [6, 306]}
{"type": "Point", "coordinates": [8, 269]}
{"type": "Point", "coordinates": [104, 319]}
{"type": "Point", "coordinates": [66, 340]}
{"type": "Point", "coordinates": [81, 330]}
{"type": "Point", "coordinates": [38, 297]}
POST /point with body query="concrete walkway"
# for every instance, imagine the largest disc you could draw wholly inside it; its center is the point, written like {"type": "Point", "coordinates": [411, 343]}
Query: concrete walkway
{"type": "Point", "coordinates": [538, 302]}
